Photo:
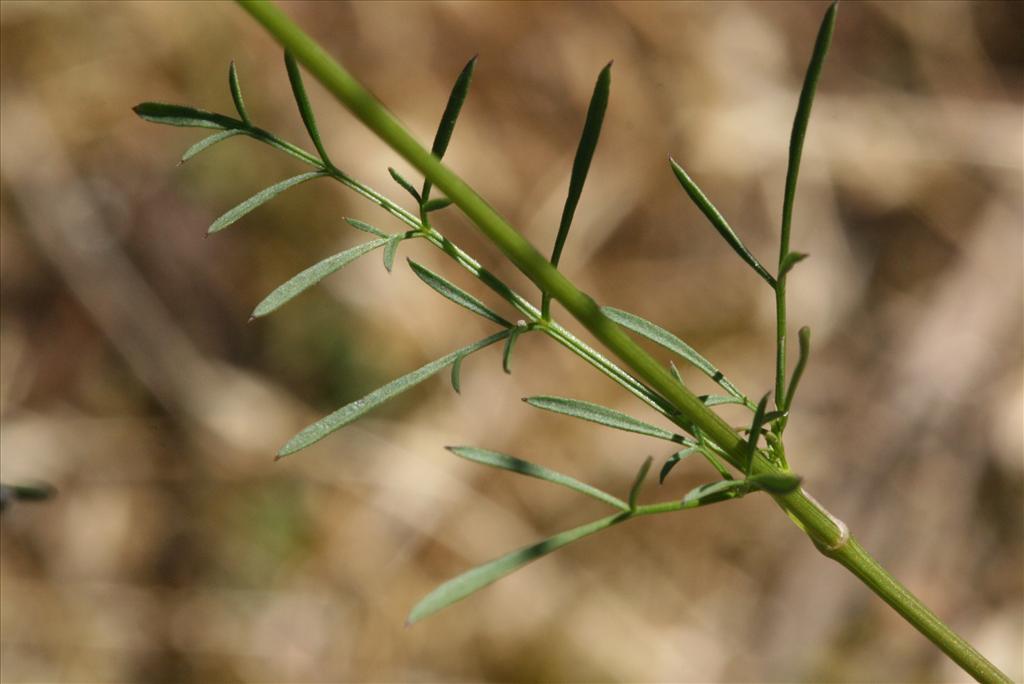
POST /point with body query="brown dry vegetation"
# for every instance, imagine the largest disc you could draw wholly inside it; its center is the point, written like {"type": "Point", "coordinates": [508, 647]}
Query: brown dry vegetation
{"type": "Point", "coordinates": [177, 551]}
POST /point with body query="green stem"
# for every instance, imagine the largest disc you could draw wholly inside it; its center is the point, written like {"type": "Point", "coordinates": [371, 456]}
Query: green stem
{"type": "Point", "coordinates": [855, 559]}
{"type": "Point", "coordinates": [827, 532]}
{"type": "Point", "coordinates": [780, 342]}
{"type": "Point", "coordinates": [780, 350]}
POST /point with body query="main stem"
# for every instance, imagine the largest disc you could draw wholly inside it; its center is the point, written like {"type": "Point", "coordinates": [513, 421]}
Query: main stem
{"type": "Point", "coordinates": [828, 533]}
{"type": "Point", "coordinates": [858, 561]}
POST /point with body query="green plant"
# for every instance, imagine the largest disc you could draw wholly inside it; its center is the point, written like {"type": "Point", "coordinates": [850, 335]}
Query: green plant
{"type": "Point", "coordinates": [747, 460]}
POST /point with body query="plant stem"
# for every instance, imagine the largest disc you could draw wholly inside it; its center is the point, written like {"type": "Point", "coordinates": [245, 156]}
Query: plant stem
{"type": "Point", "coordinates": [780, 342]}
{"type": "Point", "coordinates": [824, 529]}
{"type": "Point", "coordinates": [855, 559]}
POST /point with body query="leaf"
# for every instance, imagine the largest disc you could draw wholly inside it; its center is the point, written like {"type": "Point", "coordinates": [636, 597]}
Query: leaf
{"type": "Point", "coordinates": [456, 294]}
{"type": "Point", "coordinates": [350, 412]}
{"type": "Point", "coordinates": [260, 198]}
{"type": "Point", "coordinates": [580, 168]}
{"type": "Point", "coordinates": [803, 115]}
{"type": "Point", "coordinates": [798, 372]}
{"type": "Point", "coordinates": [711, 452]}
{"type": "Point", "coordinates": [305, 110]}
{"type": "Point", "coordinates": [671, 462]}
{"type": "Point", "coordinates": [506, 354]}
{"type": "Point", "coordinates": [641, 474]}
{"type": "Point", "coordinates": [713, 492]}
{"type": "Point", "coordinates": [775, 483]}
{"type": "Point", "coordinates": [180, 115]}
{"type": "Point", "coordinates": [236, 94]}
{"type": "Point", "coordinates": [366, 227]}
{"type": "Point", "coordinates": [390, 250]}
{"type": "Point", "coordinates": [406, 185]}
{"type": "Point", "coordinates": [659, 335]}
{"type": "Point", "coordinates": [311, 276]}
{"type": "Point", "coordinates": [457, 375]}
{"type": "Point", "coordinates": [789, 261]}
{"type": "Point", "coordinates": [675, 373]}
{"type": "Point", "coordinates": [595, 413]}
{"type": "Point", "coordinates": [750, 447]}
{"type": "Point", "coordinates": [718, 400]}
{"type": "Point", "coordinates": [499, 460]}
{"type": "Point", "coordinates": [719, 222]}
{"type": "Point", "coordinates": [39, 491]}
{"type": "Point", "coordinates": [448, 119]}
{"type": "Point", "coordinates": [436, 204]}
{"type": "Point", "coordinates": [584, 155]}
{"type": "Point", "coordinates": [208, 141]}
{"type": "Point", "coordinates": [479, 577]}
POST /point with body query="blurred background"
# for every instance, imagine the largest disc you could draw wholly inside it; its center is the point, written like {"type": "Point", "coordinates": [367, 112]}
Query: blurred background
{"type": "Point", "coordinates": [178, 551]}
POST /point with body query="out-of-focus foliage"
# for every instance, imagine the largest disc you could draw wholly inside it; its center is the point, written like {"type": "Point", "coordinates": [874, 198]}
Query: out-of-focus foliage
{"type": "Point", "coordinates": [177, 550]}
